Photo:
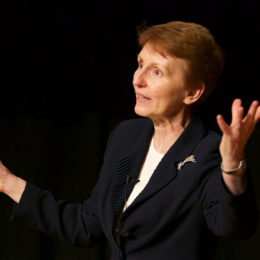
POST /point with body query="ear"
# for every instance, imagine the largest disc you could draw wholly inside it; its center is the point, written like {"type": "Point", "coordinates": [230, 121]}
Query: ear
{"type": "Point", "coordinates": [194, 93]}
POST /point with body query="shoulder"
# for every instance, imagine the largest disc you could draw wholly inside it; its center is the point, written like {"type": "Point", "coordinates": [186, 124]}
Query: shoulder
{"type": "Point", "coordinates": [210, 140]}
{"type": "Point", "coordinates": [197, 136]}
{"type": "Point", "coordinates": [207, 151]}
{"type": "Point", "coordinates": [133, 128]}
{"type": "Point", "coordinates": [200, 141]}
{"type": "Point", "coordinates": [135, 123]}
{"type": "Point", "coordinates": [204, 137]}
{"type": "Point", "coordinates": [130, 134]}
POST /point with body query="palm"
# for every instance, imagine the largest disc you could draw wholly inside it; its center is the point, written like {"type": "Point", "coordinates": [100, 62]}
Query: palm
{"type": "Point", "coordinates": [236, 135]}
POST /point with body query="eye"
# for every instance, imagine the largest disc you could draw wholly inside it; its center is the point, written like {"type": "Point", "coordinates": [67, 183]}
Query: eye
{"type": "Point", "coordinates": [158, 72]}
{"type": "Point", "coordinates": [140, 65]}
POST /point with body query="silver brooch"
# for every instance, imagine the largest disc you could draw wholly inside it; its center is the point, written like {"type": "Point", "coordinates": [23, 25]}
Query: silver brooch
{"type": "Point", "coordinates": [190, 158]}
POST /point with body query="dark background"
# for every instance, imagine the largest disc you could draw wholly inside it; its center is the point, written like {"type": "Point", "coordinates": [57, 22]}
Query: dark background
{"type": "Point", "coordinates": [65, 82]}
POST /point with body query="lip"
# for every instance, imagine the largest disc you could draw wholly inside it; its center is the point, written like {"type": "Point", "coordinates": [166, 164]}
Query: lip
{"type": "Point", "coordinates": [141, 98]}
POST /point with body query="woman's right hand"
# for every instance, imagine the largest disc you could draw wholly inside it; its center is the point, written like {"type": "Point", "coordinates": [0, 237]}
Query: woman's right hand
{"type": "Point", "coordinates": [3, 176]}
{"type": "Point", "coordinates": [10, 184]}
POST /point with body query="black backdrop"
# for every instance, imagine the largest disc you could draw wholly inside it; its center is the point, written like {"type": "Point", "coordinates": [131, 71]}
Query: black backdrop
{"type": "Point", "coordinates": [66, 82]}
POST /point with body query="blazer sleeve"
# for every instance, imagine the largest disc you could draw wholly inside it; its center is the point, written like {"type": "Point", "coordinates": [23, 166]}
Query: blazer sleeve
{"type": "Point", "coordinates": [226, 215]}
{"type": "Point", "coordinates": [79, 224]}
{"type": "Point", "coordinates": [75, 223]}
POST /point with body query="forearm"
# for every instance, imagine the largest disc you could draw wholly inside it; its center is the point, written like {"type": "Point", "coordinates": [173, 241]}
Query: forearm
{"type": "Point", "coordinates": [77, 223]}
{"type": "Point", "coordinates": [228, 215]}
{"type": "Point", "coordinates": [10, 184]}
{"type": "Point", "coordinates": [235, 182]}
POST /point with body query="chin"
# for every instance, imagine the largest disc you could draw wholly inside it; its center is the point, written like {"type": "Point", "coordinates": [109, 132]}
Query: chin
{"type": "Point", "coordinates": [140, 111]}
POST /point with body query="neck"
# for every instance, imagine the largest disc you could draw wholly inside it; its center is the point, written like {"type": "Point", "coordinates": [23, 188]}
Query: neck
{"type": "Point", "coordinates": [166, 132]}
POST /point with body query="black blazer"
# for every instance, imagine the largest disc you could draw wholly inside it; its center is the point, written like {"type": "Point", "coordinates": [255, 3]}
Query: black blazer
{"type": "Point", "coordinates": [176, 216]}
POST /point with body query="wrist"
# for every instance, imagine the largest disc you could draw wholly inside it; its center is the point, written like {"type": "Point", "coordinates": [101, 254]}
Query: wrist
{"type": "Point", "coordinates": [14, 187]}
{"type": "Point", "coordinates": [233, 167]}
{"type": "Point", "coordinates": [7, 182]}
{"type": "Point", "coordinates": [3, 182]}
{"type": "Point", "coordinates": [10, 184]}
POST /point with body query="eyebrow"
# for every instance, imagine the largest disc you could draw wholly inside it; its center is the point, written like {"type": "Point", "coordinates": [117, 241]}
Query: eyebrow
{"type": "Point", "coordinates": [154, 64]}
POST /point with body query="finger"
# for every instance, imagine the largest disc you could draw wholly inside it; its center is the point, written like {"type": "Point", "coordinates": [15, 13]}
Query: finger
{"type": "Point", "coordinates": [224, 127]}
{"type": "Point", "coordinates": [237, 112]}
{"type": "Point", "coordinates": [257, 115]}
{"type": "Point", "coordinates": [251, 112]}
{"type": "Point", "coordinates": [237, 118]}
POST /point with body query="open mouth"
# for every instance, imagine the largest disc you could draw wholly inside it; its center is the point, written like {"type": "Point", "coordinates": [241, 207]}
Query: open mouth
{"type": "Point", "coordinates": [142, 98]}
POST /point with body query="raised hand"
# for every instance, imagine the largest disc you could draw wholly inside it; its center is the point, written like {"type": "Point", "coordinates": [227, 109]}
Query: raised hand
{"type": "Point", "coordinates": [10, 184]}
{"type": "Point", "coordinates": [3, 176]}
{"type": "Point", "coordinates": [235, 137]}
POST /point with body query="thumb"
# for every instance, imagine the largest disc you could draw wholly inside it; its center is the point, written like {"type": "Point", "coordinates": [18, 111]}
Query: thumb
{"type": "Point", "coordinates": [224, 127]}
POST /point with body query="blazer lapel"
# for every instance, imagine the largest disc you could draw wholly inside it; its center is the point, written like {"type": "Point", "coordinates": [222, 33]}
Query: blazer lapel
{"type": "Point", "coordinates": [166, 171]}
{"type": "Point", "coordinates": [127, 169]}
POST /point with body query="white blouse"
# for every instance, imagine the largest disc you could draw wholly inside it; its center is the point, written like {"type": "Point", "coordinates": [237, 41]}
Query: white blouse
{"type": "Point", "coordinates": [151, 161]}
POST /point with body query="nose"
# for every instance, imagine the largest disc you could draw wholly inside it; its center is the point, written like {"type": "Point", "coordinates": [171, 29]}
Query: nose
{"type": "Point", "coordinates": [139, 79]}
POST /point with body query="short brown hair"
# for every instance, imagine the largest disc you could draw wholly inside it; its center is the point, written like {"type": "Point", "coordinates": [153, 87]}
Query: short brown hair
{"type": "Point", "coordinates": [192, 42]}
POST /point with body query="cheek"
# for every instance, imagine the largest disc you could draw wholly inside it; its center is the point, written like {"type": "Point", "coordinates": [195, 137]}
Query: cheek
{"type": "Point", "coordinates": [157, 92]}
{"type": "Point", "coordinates": [164, 98]}
{"type": "Point", "coordinates": [160, 89]}
{"type": "Point", "coordinates": [165, 92]}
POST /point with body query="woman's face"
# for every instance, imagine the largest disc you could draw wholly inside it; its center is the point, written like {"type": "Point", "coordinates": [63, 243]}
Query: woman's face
{"type": "Point", "coordinates": [160, 84]}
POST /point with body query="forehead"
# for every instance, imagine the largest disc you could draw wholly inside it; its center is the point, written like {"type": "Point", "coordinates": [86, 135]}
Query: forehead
{"type": "Point", "coordinates": [150, 54]}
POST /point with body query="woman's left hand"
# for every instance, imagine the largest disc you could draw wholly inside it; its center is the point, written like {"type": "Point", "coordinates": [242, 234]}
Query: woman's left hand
{"type": "Point", "coordinates": [234, 139]}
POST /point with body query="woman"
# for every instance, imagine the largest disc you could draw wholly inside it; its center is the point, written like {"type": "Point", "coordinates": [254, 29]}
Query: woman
{"type": "Point", "coordinates": [168, 186]}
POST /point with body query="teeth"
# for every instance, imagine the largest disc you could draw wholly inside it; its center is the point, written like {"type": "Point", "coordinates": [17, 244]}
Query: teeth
{"type": "Point", "coordinates": [141, 97]}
